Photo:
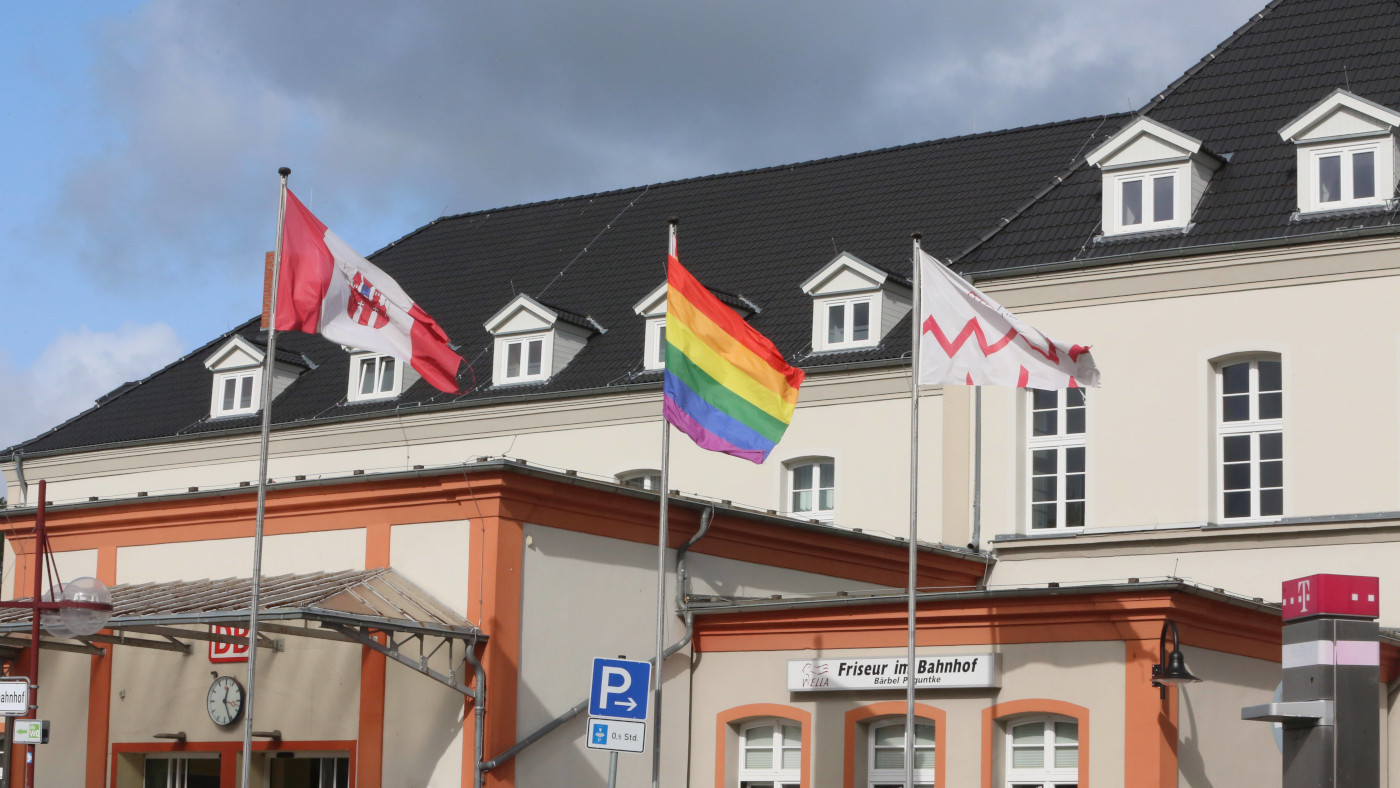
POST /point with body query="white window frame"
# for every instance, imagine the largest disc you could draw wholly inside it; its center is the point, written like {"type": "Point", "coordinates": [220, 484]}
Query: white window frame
{"type": "Point", "coordinates": [1314, 156]}
{"type": "Point", "coordinates": [1047, 776]}
{"type": "Point", "coordinates": [777, 776]}
{"type": "Point", "coordinates": [395, 387]}
{"type": "Point", "coordinates": [254, 375]}
{"type": "Point", "coordinates": [847, 305]}
{"type": "Point", "coordinates": [1062, 442]}
{"type": "Point", "coordinates": [643, 479]}
{"type": "Point", "coordinates": [894, 778]}
{"type": "Point", "coordinates": [1254, 428]}
{"type": "Point", "coordinates": [503, 345]}
{"type": "Point", "coordinates": [654, 354]}
{"type": "Point", "coordinates": [816, 512]}
{"type": "Point", "coordinates": [1181, 181]}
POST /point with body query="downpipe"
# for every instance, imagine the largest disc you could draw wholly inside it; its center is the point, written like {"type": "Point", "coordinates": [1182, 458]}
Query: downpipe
{"type": "Point", "coordinates": [479, 709]}
{"type": "Point", "coordinates": [549, 727]}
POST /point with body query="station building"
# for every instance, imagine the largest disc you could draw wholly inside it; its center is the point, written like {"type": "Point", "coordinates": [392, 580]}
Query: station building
{"type": "Point", "coordinates": [1229, 251]}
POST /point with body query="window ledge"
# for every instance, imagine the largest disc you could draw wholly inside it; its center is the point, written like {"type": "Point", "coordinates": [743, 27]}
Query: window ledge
{"type": "Point", "coordinates": [1144, 235]}
{"type": "Point", "coordinates": [1282, 527]}
{"type": "Point", "coordinates": [1322, 215]}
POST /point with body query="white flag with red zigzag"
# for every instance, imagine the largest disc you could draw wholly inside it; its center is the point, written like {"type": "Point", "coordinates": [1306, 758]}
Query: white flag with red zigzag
{"type": "Point", "coordinates": [967, 338]}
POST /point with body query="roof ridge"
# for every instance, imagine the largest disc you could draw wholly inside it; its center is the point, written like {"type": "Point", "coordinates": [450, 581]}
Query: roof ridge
{"type": "Point", "coordinates": [750, 171]}
{"type": "Point", "coordinates": [1208, 57]}
{"type": "Point", "coordinates": [9, 452]}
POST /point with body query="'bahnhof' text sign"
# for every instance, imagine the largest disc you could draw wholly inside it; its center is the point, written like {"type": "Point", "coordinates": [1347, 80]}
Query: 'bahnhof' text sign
{"type": "Point", "coordinates": [937, 670]}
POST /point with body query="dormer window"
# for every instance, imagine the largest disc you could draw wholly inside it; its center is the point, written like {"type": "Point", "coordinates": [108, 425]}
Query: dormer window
{"type": "Point", "coordinates": [534, 342]}
{"type": "Point", "coordinates": [1346, 151]}
{"type": "Point", "coordinates": [1345, 177]}
{"type": "Point", "coordinates": [238, 373]}
{"type": "Point", "coordinates": [1148, 199]}
{"type": "Point", "coordinates": [378, 376]}
{"type": "Point", "coordinates": [653, 308]}
{"type": "Point", "coordinates": [235, 393]}
{"type": "Point", "coordinates": [1153, 176]}
{"type": "Point", "coordinates": [854, 304]}
{"type": "Point", "coordinates": [848, 322]}
{"type": "Point", "coordinates": [524, 359]}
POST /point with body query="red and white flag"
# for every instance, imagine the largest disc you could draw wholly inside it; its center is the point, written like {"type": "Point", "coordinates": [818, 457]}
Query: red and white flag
{"type": "Point", "coordinates": [967, 338]}
{"type": "Point", "coordinates": [324, 287]}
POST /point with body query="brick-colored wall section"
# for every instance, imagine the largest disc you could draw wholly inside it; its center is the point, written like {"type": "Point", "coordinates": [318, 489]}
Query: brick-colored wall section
{"type": "Point", "coordinates": [267, 288]}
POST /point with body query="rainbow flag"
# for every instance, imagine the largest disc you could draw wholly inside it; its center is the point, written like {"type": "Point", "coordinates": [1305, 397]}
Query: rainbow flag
{"type": "Point", "coordinates": [727, 386]}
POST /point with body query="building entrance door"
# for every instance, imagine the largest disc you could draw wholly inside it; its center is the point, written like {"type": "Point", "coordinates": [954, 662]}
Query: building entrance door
{"type": "Point", "coordinates": [310, 771]}
{"type": "Point", "coordinates": [181, 772]}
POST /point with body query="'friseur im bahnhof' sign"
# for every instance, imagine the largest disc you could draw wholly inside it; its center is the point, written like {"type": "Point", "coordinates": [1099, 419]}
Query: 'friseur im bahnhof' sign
{"type": "Point", "coordinates": [859, 673]}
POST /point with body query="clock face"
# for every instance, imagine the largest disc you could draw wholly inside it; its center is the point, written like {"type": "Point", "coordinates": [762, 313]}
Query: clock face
{"type": "Point", "coordinates": [225, 700]}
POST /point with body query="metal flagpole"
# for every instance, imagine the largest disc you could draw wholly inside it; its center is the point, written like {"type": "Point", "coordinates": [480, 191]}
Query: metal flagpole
{"type": "Point", "coordinates": [661, 569]}
{"type": "Point", "coordinates": [262, 483]}
{"type": "Point", "coordinates": [915, 320]}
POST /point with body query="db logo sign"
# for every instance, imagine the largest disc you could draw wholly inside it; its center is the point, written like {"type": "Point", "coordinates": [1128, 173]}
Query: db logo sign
{"type": "Point", "coordinates": [227, 652]}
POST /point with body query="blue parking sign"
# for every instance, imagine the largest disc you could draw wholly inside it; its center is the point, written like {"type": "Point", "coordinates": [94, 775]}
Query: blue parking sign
{"type": "Point", "coordinates": [620, 689]}
{"type": "Point", "coordinates": [600, 733]}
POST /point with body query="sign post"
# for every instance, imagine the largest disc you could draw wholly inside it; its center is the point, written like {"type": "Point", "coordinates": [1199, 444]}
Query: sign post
{"type": "Point", "coordinates": [1331, 668]}
{"type": "Point", "coordinates": [617, 708]}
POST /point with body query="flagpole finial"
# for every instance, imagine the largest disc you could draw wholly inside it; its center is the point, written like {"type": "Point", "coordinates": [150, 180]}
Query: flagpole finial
{"type": "Point", "coordinates": [917, 236]}
{"type": "Point", "coordinates": [673, 221]}
{"type": "Point", "coordinates": [284, 171]}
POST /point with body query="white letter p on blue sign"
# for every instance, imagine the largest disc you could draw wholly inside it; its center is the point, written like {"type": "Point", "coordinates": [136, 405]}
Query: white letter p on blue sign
{"type": "Point", "coordinates": [620, 689]}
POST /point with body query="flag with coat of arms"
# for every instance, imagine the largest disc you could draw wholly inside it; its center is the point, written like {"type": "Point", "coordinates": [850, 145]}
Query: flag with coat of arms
{"type": "Point", "coordinates": [324, 287]}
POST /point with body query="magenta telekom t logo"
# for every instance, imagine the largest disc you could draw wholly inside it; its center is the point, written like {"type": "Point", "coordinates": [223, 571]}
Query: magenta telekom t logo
{"type": "Point", "coordinates": [1304, 594]}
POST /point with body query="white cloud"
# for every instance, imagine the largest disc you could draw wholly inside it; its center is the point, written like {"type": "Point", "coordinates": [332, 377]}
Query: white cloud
{"type": "Point", "coordinates": [75, 369]}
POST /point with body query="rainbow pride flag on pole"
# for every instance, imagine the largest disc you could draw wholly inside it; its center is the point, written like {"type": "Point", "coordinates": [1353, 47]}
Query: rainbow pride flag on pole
{"type": "Point", "coordinates": [727, 386]}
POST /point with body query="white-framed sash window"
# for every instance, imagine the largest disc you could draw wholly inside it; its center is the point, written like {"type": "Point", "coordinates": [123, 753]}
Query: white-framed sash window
{"type": "Point", "coordinates": [1042, 753]}
{"type": "Point", "coordinates": [524, 359]}
{"type": "Point", "coordinates": [1056, 459]}
{"type": "Point", "coordinates": [812, 488]}
{"type": "Point", "coordinates": [1345, 176]}
{"type": "Point", "coordinates": [770, 754]}
{"type": "Point", "coordinates": [885, 755]}
{"type": "Point", "coordinates": [848, 322]}
{"type": "Point", "coordinates": [1250, 433]}
{"type": "Point", "coordinates": [236, 393]}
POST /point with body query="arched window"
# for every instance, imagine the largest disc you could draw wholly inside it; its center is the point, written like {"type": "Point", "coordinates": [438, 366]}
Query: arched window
{"type": "Point", "coordinates": [770, 754]}
{"type": "Point", "coordinates": [644, 479]}
{"type": "Point", "coordinates": [811, 488]}
{"type": "Point", "coordinates": [1249, 427]}
{"type": "Point", "coordinates": [885, 754]}
{"type": "Point", "coordinates": [1042, 752]}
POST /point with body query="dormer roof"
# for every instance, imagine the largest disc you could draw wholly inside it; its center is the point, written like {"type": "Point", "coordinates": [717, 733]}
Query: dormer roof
{"type": "Point", "coordinates": [1144, 142]}
{"type": "Point", "coordinates": [1340, 115]}
{"type": "Point", "coordinates": [523, 314]}
{"type": "Point", "coordinates": [236, 353]}
{"type": "Point", "coordinates": [653, 304]}
{"type": "Point", "coordinates": [846, 273]}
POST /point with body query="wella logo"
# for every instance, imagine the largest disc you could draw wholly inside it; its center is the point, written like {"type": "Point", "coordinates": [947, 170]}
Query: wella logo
{"type": "Point", "coordinates": [814, 675]}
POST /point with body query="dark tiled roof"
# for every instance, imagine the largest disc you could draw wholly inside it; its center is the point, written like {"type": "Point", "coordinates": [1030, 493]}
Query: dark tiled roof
{"type": "Point", "coordinates": [759, 233]}
{"type": "Point", "coordinates": [995, 202]}
{"type": "Point", "coordinates": [1277, 66]}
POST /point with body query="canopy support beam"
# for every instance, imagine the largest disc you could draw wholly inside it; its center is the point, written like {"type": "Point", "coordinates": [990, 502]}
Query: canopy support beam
{"type": "Point", "coordinates": [391, 651]}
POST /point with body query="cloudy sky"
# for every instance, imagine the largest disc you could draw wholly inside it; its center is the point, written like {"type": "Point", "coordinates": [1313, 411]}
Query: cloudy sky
{"type": "Point", "coordinates": [140, 140]}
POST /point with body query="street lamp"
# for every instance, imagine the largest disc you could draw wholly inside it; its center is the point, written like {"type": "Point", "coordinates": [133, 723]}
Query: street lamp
{"type": "Point", "coordinates": [1174, 673]}
{"type": "Point", "coordinates": [67, 610]}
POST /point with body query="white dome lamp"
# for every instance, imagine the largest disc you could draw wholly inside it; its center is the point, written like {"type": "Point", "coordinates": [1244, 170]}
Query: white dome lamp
{"type": "Point", "coordinates": [84, 606]}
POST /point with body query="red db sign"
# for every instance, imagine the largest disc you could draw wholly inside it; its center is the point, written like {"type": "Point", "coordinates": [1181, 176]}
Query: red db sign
{"type": "Point", "coordinates": [227, 652]}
